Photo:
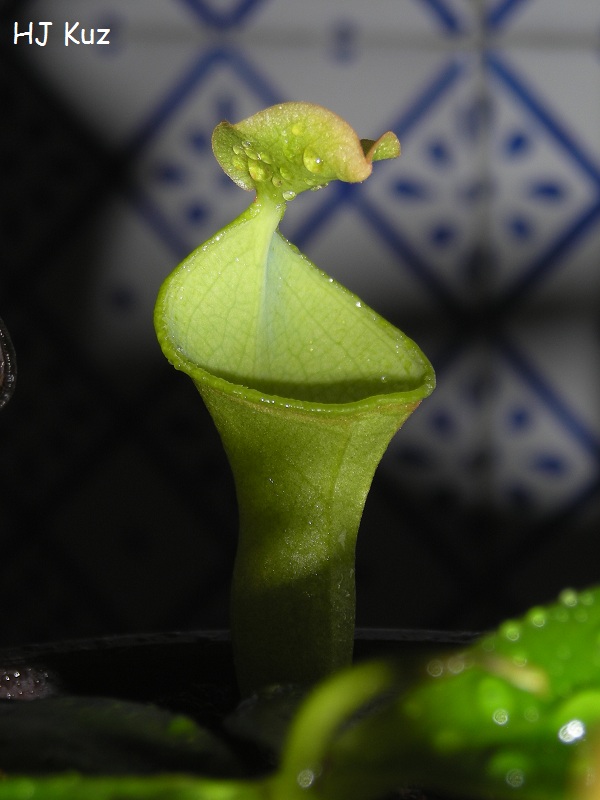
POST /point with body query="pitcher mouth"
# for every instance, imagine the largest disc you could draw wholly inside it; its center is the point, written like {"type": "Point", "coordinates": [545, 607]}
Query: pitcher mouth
{"type": "Point", "coordinates": [272, 395]}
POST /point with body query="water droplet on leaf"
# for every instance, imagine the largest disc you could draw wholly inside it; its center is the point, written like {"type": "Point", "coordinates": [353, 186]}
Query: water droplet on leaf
{"type": "Point", "coordinates": [537, 617]}
{"type": "Point", "coordinates": [305, 778]}
{"type": "Point", "coordinates": [569, 598]}
{"type": "Point", "coordinates": [511, 631]}
{"type": "Point", "coordinates": [572, 731]}
{"type": "Point", "coordinates": [312, 161]}
{"type": "Point", "coordinates": [500, 716]}
{"type": "Point", "coordinates": [515, 778]}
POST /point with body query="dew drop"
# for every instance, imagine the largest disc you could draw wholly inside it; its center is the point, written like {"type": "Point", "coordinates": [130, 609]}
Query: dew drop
{"type": "Point", "coordinates": [312, 161]}
{"type": "Point", "coordinates": [537, 617]}
{"type": "Point", "coordinates": [286, 174]}
{"type": "Point", "coordinates": [456, 665]}
{"type": "Point", "coordinates": [237, 150]}
{"type": "Point", "coordinates": [276, 181]}
{"type": "Point", "coordinates": [572, 731]}
{"type": "Point", "coordinates": [515, 778]}
{"type": "Point", "coordinates": [265, 157]}
{"type": "Point", "coordinates": [259, 171]}
{"type": "Point", "coordinates": [569, 598]}
{"type": "Point", "coordinates": [511, 631]}
{"type": "Point", "coordinates": [252, 154]}
{"type": "Point", "coordinates": [305, 778]}
{"type": "Point", "coordinates": [435, 668]}
{"type": "Point", "coordinates": [289, 195]}
{"type": "Point", "coordinates": [500, 716]}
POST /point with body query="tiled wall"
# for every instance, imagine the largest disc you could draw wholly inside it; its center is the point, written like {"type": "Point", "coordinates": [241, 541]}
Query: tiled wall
{"type": "Point", "coordinates": [482, 242]}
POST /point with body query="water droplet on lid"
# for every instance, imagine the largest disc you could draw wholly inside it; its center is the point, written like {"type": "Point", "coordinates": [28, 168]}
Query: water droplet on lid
{"type": "Point", "coordinates": [259, 171]}
{"type": "Point", "coordinates": [312, 161]}
{"type": "Point", "coordinates": [290, 150]}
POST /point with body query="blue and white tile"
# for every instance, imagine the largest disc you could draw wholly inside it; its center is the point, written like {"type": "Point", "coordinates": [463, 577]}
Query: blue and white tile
{"type": "Point", "coordinates": [184, 192]}
{"type": "Point", "coordinates": [442, 453]}
{"type": "Point", "coordinates": [352, 22]}
{"type": "Point", "coordinates": [416, 214]}
{"type": "Point", "coordinates": [430, 200]}
{"type": "Point", "coordinates": [545, 169]}
{"type": "Point", "coordinates": [545, 455]}
{"type": "Point", "coordinates": [543, 18]}
{"type": "Point", "coordinates": [558, 356]}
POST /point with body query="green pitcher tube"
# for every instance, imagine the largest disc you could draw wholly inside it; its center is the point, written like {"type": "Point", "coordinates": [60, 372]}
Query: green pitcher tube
{"type": "Point", "coordinates": [302, 475]}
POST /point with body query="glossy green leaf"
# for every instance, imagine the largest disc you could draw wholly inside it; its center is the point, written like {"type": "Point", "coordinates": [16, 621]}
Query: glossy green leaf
{"type": "Point", "coordinates": [516, 715]}
{"type": "Point", "coordinates": [71, 786]}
